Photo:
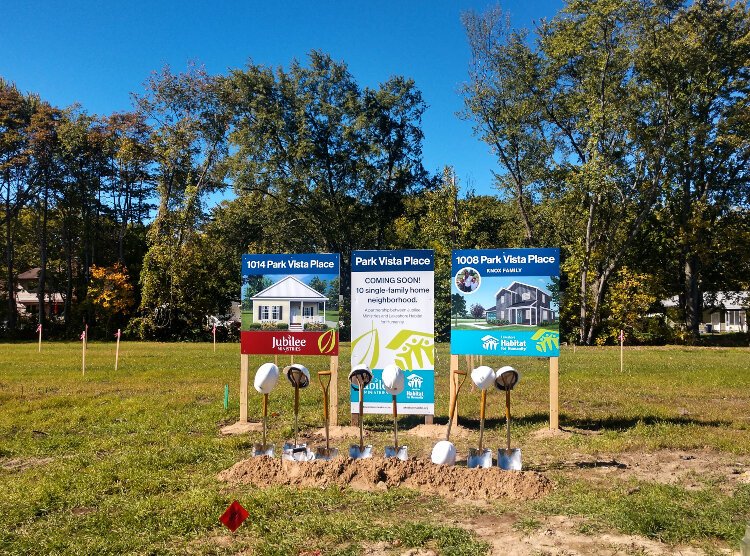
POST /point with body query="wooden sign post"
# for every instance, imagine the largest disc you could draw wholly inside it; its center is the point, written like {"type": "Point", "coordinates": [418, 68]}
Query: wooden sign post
{"type": "Point", "coordinates": [554, 398]}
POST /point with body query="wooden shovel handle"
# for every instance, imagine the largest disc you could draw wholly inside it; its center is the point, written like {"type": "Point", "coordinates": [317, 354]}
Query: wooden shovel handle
{"type": "Point", "coordinates": [454, 401]}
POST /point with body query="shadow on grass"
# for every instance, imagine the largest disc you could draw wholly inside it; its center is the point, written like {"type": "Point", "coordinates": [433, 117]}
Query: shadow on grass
{"type": "Point", "coordinates": [618, 424]}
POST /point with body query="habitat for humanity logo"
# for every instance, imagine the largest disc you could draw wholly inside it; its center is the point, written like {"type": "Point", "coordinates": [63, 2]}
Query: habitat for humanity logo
{"type": "Point", "coordinates": [489, 342]}
{"type": "Point", "coordinates": [415, 381]}
{"type": "Point", "coordinates": [415, 387]}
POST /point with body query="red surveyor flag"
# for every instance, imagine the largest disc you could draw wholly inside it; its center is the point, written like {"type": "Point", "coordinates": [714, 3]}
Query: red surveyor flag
{"type": "Point", "coordinates": [234, 515]}
{"type": "Point", "coordinates": [38, 327]}
{"type": "Point", "coordinates": [83, 335]}
{"type": "Point", "coordinates": [117, 334]}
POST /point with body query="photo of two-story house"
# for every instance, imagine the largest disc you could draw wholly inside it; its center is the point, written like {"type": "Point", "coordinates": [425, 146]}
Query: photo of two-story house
{"type": "Point", "coordinates": [523, 304]}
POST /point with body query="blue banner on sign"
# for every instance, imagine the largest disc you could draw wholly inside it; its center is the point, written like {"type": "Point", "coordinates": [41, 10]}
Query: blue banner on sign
{"type": "Point", "coordinates": [389, 261]}
{"type": "Point", "coordinates": [419, 388]}
{"type": "Point", "coordinates": [300, 263]}
{"type": "Point", "coordinates": [504, 262]}
{"type": "Point", "coordinates": [505, 302]}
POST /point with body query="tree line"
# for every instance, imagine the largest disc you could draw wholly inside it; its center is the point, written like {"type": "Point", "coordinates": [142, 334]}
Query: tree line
{"type": "Point", "coordinates": [621, 133]}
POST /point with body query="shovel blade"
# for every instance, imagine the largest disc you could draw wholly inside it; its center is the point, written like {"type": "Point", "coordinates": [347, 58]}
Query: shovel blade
{"type": "Point", "coordinates": [297, 453]}
{"type": "Point", "coordinates": [260, 450]}
{"type": "Point", "coordinates": [481, 459]}
{"type": "Point", "coordinates": [364, 453]}
{"type": "Point", "coordinates": [326, 454]}
{"type": "Point", "coordinates": [400, 452]}
{"type": "Point", "coordinates": [510, 460]}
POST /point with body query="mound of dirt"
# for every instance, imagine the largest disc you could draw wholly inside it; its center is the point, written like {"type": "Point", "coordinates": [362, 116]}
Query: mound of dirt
{"type": "Point", "coordinates": [380, 474]}
{"type": "Point", "coordinates": [437, 432]}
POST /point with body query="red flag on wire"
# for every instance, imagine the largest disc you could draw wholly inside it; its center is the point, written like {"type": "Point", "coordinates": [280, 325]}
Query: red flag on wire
{"type": "Point", "coordinates": [117, 334]}
{"type": "Point", "coordinates": [38, 327]}
{"type": "Point", "coordinates": [83, 335]}
{"type": "Point", "coordinates": [214, 330]}
{"type": "Point", "coordinates": [622, 335]}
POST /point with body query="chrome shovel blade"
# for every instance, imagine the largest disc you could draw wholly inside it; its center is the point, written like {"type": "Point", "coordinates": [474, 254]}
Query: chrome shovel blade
{"type": "Point", "coordinates": [326, 454]}
{"type": "Point", "coordinates": [402, 452]}
{"type": "Point", "coordinates": [510, 460]}
{"type": "Point", "coordinates": [356, 453]}
{"type": "Point", "coordinates": [297, 453]}
{"type": "Point", "coordinates": [479, 459]}
{"type": "Point", "coordinates": [260, 450]}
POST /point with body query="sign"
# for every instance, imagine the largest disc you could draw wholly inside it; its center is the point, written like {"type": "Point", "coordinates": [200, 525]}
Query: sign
{"type": "Point", "coordinates": [393, 307]}
{"type": "Point", "coordinates": [234, 516]}
{"type": "Point", "coordinates": [290, 304]}
{"type": "Point", "coordinates": [505, 302]}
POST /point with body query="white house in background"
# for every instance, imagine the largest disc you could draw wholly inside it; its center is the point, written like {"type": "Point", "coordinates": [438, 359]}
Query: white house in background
{"type": "Point", "coordinates": [722, 311]}
{"type": "Point", "coordinates": [289, 301]}
{"type": "Point", "coordinates": [27, 298]}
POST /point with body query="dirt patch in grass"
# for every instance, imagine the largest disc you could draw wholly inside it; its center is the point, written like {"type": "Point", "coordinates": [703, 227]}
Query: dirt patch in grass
{"type": "Point", "coordinates": [241, 428]}
{"type": "Point", "coordinates": [558, 535]}
{"type": "Point", "coordinates": [437, 432]}
{"type": "Point", "coordinates": [382, 474]}
{"type": "Point", "coordinates": [688, 469]}
{"type": "Point", "coordinates": [21, 464]}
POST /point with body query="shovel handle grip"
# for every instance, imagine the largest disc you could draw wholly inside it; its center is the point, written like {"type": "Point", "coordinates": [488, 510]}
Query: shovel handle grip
{"type": "Point", "coordinates": [325, 384]}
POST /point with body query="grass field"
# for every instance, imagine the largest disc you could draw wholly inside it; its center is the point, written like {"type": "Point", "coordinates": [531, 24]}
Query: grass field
{"type": "Point", "coordinates": [126, 462]}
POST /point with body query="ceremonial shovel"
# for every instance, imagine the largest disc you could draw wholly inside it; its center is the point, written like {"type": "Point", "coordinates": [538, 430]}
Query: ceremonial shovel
{"type": "Point", "coordinates": [299, 376]}
{"type": "Point", "coordinates": [265, 380]}
{"type": "Point", "coordinates": [359, 378]}
{"type": "Point", "coordinates": [505, 379]}
{"type": "Point", "coordinates": [393, 382]}
{"type": "Point", "coordinates": [483, 377]}
{"type": "Point", "coordinates": [326, 453]}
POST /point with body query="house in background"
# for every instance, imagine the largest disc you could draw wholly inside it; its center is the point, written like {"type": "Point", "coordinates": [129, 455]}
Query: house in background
{"type": "Point", "coordinates": [490, 314]}
{"type": "Point", "coordinates": [27, 297]}
{"type": "Point", "coordinates": [722, 311]}
{"type": "Point", "coordinates": [289, 301]}
{"type": "Point", "coordinates": [521, 303]}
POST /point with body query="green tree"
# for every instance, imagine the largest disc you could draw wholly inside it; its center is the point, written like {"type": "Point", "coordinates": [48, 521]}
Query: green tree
{"type": "Point", "coordinates": [327, 162]}
{"type": "Point", "coordinates": [318, 285]}
{"type": "Point", "coordinates": [458, 306]}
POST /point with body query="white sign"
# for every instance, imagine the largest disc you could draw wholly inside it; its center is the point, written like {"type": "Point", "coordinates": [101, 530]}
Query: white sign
{"type": "Point", "coordinates": [393, 308]}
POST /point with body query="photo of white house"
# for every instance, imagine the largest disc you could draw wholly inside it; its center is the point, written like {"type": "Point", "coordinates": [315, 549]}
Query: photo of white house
{"type": "Point", "coordinates": [289, 301]}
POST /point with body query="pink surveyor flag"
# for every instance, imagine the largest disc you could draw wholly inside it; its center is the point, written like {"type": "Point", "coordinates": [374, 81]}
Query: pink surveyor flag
{"type": "Point", "coordinates": [117, 334]}
{"type": "Point", "coordinates": [38, 327]}
{"type": "Point", "coordinates": [83, 335]}
{"type": "Point", "coordinates": [622, 335]}
{"type": "Point", "coordinates": [214, 330]}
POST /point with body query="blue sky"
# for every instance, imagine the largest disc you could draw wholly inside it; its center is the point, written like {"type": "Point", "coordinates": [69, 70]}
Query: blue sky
{"type": "Point", "coordinates": [97, 53]}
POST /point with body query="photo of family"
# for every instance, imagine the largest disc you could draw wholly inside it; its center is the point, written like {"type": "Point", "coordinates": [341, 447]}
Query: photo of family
{"type": "Point", "coordinates": [468, 280]}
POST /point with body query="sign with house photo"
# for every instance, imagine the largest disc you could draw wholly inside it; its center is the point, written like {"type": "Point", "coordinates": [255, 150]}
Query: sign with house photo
{"type": "Point", "coordinates": [505, 302]}
{"type": "Point", "coordinates": [290, 304]}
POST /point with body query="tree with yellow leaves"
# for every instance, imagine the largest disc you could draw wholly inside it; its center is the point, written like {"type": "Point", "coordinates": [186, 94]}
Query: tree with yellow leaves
{"type": "Point", "coordinates": [110, 292]}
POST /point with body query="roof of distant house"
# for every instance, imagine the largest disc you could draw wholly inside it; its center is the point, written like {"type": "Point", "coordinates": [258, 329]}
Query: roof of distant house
{"type": "Point", "coordinates": [717, 300]}
{"type": "Point", "coordinates": [290, 288]}
{"type": "Point", "coordinates": [31, 274]}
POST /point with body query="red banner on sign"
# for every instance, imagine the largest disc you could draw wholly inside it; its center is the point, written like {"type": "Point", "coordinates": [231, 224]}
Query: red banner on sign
{"type": "Point", "coordinates": [234, 515]}
{"type": "Point", "coordinates": [266, 342]}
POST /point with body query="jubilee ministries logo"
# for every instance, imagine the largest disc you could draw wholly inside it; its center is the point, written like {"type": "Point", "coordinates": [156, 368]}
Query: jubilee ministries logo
{"type": "Point", "coordinates": [490, 342]}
